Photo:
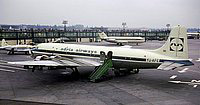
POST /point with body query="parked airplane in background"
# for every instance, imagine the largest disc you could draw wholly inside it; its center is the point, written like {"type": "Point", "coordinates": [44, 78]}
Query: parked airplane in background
{"type": "Point", "coordinates": [198, 60]}
{"type": "Point", "coordinates": [121, 40]}
{"type": "Point", "coordinates": [15, 48]}
{"type": "Point", "coordinates": [173, 54]}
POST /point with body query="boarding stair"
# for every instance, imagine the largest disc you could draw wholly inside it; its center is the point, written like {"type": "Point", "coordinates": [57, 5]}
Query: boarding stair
{"type": "Point", "coordinates": [102, 69]}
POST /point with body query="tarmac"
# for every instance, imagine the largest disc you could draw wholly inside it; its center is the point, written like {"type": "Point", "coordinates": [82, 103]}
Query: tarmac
{"type": "Point", "coordinates": [149, 87]}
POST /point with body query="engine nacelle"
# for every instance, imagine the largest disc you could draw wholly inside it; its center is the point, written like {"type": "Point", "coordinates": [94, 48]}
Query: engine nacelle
{"type": "Point", "coordinates": [43, 57]}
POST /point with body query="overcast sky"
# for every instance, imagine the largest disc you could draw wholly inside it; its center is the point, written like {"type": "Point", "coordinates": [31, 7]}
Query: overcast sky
{"type": "Point", "coordinates": [136, 13]}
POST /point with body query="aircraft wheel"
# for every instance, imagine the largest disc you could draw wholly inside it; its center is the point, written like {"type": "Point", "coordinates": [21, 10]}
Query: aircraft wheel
{"type": "Point", "coordinates": [26, 67]}
{"type": "Point", "coordinates": [117, 73]}
{"type": "Point", "coordinates": [96, 67]}
{"type": "Point", "coordinates": [12, 51]}
{"type": "Point", "coordinates": [123, 72]}
{"type": "Point", "coordinates": [136, 71]}
{"type": "Point", "coordinates": [120, 72]}
{"type": "Point", "coordinates": [129, 71]}
{"type": "Point", "coordinates": [26, 53]}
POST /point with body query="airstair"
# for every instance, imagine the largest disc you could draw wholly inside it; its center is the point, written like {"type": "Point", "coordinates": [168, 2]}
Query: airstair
{"type": "Point", "coordinates": [103, 69]}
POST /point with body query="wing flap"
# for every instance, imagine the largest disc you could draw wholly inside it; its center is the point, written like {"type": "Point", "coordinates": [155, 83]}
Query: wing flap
{"type": "Point", "coordinates": [88, 62]}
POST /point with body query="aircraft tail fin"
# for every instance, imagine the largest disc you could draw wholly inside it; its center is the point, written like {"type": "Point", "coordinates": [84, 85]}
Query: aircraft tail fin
{"type": "Point", "coordinates": [4, 43]}
{"type": "Point", "coordinates": [102, 35]}
{"type": "Point", "coordinates": [176, 44]}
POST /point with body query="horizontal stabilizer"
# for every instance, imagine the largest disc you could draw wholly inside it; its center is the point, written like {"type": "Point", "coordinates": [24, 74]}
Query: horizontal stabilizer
{"type": "Point", "coordinates": [183, 71]}
{"type": "Point", "coordinates": [169, 65]}
{"type": "Point", "coordinates": [193, 82]}
{"type": "Point", "coordinates": [175, 81]}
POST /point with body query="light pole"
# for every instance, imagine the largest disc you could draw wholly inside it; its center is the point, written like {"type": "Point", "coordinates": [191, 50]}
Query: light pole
{"type": "Point", "coordinates": [65, 22]}
{"type": "Point", "coordinates": [124, 27]}
{"type": "Point", "coordinates": [168, 30]}
{"type": "Point", "coordinates": [168, 26]}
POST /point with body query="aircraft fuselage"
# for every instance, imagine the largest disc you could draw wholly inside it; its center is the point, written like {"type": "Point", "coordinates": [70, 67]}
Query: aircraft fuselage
{"type": "Point", "coordinates": [122, 57]}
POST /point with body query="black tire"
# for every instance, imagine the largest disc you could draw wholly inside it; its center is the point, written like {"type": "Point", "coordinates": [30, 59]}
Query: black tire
{"type": "Point", "coordinates": [136, 71]}
{"type": "Point", "coordinates": [117, 73]}
{"type": "Point", "coordinates": [26, 53]}
{"type": "Point", "coordinates": [75, 75]}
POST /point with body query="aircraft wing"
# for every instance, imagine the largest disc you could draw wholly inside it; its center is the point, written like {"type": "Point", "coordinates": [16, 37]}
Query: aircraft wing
{"type": "Point", "coordinates": [169, 65]}
{"type": "Point", "coordinates": [23, 50]}
{"type": "Point", "coordinates": [182, 82]}
{"type": "Point", "coordinates": [60, 62]}
{"type": "Point", "coordinates": [7, 48]}
{"type": "Point", "coordinates": [2, 48]}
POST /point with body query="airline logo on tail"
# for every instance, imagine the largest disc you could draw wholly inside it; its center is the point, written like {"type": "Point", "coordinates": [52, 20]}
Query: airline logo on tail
{"type": "Point", "coordinates": [176, 44]}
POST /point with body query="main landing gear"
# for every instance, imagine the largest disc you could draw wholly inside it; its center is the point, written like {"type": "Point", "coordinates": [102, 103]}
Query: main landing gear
{"type": "Point", "coordinates": [135, 71]}
{"type": "Point", "coordinates": [75, 74]}
{"type": "Point", "coordinates": [122, 72]}
{"type": "Point", "coordinates": [120, 44]}
{"type": "Point", "coordinates": [11, 52]}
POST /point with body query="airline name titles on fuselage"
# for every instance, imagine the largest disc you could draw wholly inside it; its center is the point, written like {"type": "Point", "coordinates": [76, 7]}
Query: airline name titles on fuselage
{"type": "Point", "coordinates": [78, 50]}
